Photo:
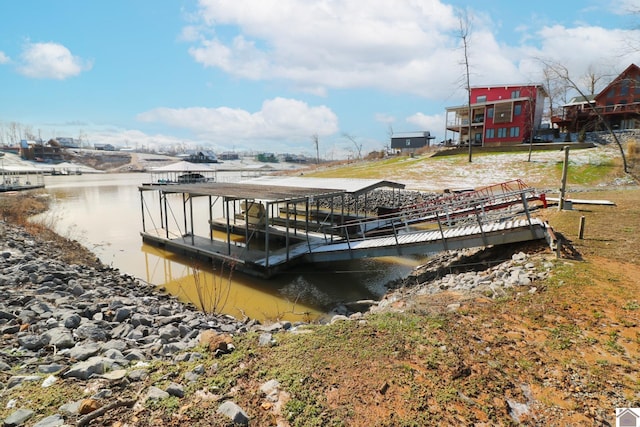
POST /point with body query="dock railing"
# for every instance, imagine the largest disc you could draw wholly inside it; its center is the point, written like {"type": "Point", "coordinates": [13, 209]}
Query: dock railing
{"type": "Point", "coordinates": [490, 204]}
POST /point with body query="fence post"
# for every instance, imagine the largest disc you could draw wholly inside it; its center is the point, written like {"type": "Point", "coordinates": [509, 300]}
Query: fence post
{"type": "Point", "coordinates": [581, 229]}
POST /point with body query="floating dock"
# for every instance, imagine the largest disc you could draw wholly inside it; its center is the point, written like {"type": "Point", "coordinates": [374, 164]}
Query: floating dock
{"type": "Point", "coordinates": [20, 178]}
{"type": "Point", "coordinates": [269, 225]}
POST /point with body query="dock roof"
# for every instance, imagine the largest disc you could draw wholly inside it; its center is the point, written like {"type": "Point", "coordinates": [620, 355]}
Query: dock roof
{"type": "Point", "coordinates": [354, 186]}
{"type": "Point", "coordinates": [277, 188]}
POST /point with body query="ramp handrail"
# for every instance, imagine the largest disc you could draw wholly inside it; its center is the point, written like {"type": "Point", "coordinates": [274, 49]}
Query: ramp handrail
{"type": "Point", "coordinates": [446, 209]}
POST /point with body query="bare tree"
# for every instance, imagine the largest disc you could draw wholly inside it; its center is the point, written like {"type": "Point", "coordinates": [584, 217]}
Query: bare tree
{"type": "Point", "coordinates": [465, 38]}
{"type": "Point", "coordinates": [592, 78]}
{"type": "Point", "coordinates": [563, 73]}
{"type": "Point", "coordinates": [14, 132]}
{"type": "Point", "coordinates": [82, 138]}
{"type": "Point", "coordinates": [387, 148]}
{"type": "Point", "coordinates": [314, 137]}
{"type": "Point", "coordinates": [28, 133]}
{"type": "Point", "coordinates": [556, 90]}
{"type": "Point", "coordinates": [355, 144]}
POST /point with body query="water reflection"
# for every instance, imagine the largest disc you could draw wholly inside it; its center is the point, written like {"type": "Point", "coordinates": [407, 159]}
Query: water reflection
{"type": "Point", "coordinates": [103, 212]}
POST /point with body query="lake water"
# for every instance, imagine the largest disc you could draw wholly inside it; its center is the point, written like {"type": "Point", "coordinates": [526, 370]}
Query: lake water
{"type": "Point", "coordinates": [103, 212]}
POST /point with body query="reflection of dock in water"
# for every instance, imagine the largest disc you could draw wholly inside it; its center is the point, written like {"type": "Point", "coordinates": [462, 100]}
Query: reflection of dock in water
{"type": "Point", "coordinates": [268, 226]}
{"type": "Point", "coordinates": [219, 291]}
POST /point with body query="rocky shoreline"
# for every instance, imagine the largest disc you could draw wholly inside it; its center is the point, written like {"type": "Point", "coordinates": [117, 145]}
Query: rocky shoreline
{"type": "Point", "coordinates": [62, 321]}
{"type": "Point", "coordinates": [74, 322]}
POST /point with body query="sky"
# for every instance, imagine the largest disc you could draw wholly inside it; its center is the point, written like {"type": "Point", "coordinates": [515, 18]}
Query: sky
{"type": "Point", "coordinates": [272, 75]}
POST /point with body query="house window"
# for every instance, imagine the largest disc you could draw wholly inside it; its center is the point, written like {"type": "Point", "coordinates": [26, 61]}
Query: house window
{"type": "Point", "coordinates": [503, 113]}
{"type": "Point", "coordinates": [514, 132]}
{"type": "Point", "coordinates": [517, 109]}
{"type": "Point", "coordinates": [408, 142]}
{"type": "Point", "coordinates": [611, 93]}
{"type": "Point", "coordinates": [624, 88]}
{"type": "Point", "coordinates": [490, 133]}
{"type": "Point", "coordinates": [515, 94]}
{"type": "Point", "coordinates": [490, 113]}
{"type": "Point", "coordinates": [481, 98]}
{"type": "Point", "coordinates": [502, 132]}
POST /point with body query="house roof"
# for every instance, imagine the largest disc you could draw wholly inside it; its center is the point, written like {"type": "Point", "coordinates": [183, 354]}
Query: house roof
{"type": "Point", "coordinates": [578, 100]}
{"type": "Point", "coordinates": [513, 85]}
{"type": "Point", "coordinates": [631, 68]}
{"type": "Point", "coordinates": [480, 104]}
{"type": "Point", "coordinates": [416, 134]}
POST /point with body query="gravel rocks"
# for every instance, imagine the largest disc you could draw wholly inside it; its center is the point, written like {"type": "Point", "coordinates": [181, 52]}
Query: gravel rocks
{"type": "Point", "coordinates": [447, 273]}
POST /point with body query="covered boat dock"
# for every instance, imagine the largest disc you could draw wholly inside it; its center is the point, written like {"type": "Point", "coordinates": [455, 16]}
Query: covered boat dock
{"type": "Point", "coordinates": [251, 222]}
{"type": "Point", "coordinates": [20, 177]}
{"type": "Point", "coordinates": [264, 226]}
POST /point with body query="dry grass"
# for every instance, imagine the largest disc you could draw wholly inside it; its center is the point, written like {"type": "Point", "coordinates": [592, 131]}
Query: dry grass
{"type": "Point", "coordinates": [610, 232]}
{"type": "Point", "coordinates": [18, 208]}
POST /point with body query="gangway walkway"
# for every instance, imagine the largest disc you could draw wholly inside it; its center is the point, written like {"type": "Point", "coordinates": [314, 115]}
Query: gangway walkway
{"type": "Point", "coordinates": [418, 242]}
{"type": "Point", "coordinates": [455, 207]}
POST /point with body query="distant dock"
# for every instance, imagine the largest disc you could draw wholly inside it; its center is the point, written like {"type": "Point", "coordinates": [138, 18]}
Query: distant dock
{"type": "Point", "coordinates": [20, 178]}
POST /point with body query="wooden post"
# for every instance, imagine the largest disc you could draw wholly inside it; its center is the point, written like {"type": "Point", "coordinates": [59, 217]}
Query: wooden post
{"type": "Point", "coordinates": [581, 229]}
{"type": "Point", "coordinates": [565, 167]}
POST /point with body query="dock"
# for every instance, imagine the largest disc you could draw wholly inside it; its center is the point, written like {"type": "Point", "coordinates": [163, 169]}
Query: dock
{"type": "Point", "coordinates": [267, 227]}
{"type": "Point", "coordinates": [20, 178]}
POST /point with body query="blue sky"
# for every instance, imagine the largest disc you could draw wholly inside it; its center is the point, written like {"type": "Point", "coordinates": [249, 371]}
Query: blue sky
{"type": "Point", "coordinates": [267, 75]}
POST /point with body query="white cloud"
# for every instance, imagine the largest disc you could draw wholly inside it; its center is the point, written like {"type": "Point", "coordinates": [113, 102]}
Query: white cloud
{"type": "Point", "coordinates": [395, 46]}
{"type": "Point", "coordinates": [134, 138]}
{"type": "Point", "coordinates": [581, 50]}
{"type": "Point", "coordinates": [432, 123]}
{"type": "Point", "coordinates": [50, 61]}
{"type": "Point", "coordinates": [278, 118]}
{"type": "Point", "coordinates": [387, 44]}
{"type": "Point", "coordinates": [625, 7]}
{"type": "Point", "coordinates": [385, 118]}
{"type": "Point", "coordinates": [4, 59]}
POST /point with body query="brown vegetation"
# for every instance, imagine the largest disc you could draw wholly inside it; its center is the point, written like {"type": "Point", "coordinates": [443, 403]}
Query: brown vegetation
{"type": "Point", "coordinates": [18, 208]}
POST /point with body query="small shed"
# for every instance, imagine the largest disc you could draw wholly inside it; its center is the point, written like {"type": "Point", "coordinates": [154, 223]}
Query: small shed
{"type": "Point", "coordinates": [411, 141]}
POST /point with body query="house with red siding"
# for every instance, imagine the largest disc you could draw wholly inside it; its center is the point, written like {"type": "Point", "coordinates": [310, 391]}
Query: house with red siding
{"type": "Point", "coordinates": [498, 115]}
{"type": "Point", "coordinates": [618, 105]}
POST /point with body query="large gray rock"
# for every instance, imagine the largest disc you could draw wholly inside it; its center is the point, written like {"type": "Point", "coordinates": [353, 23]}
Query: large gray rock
{"type": "Point", "coordinates": [169, 332]}
{"type": "Point", "coordinates": [175, 389]}
{"type": "Point", "coordinates": [33, 342]}
{"type": "Point", "coordinates": [18, 417]}
{"type": "Point", "coordinates": [233, 412]}
{"type": "Point", "coordinates": [91, 331]}
{"type": "Point", "coordinates": [84, 370]}
{"type": "Point", "coordinates": [72, 321]}
{"type": "Point", "coordinates": [60, 338]}
{"type": "Point", "coordinates": [84, 351]}
{"type": "Point", "coordinates": [51, 421]}
{"type": "Point", "coordinates": [155, 393]}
